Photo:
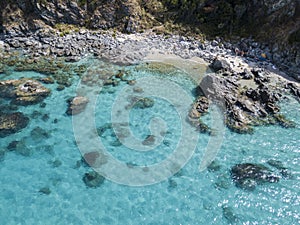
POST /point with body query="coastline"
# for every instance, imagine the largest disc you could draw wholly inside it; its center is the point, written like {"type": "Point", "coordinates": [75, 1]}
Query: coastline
{"type": "Point", "coordinates": [125, 49]}
{"type": "Point", "coordinates": [258, 84]}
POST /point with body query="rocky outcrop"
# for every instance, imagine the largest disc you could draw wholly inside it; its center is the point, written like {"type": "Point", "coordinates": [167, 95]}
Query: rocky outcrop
{"type": "Point", "coordinates": [24, 91]}
{"type": "Point", "coordinates": [77, 105]}
{"type": "Point", "coordinates": [12, 123]}
{"type": "Point", "coordinates": [243, 106]}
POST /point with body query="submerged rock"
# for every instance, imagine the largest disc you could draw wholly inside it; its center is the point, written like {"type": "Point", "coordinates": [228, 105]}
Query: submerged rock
{"type": "Point", "coordinates": [214, 166]}
{"type": "Point", "coordinates": [20, 147]}
{"type": "Point", "coordinates": [24, 91]}
{"type": "Point", "coordinates": [77, 105]}
{"type": "Point", "coordinates": [93, 179]}
{"type": "Point", "coordinates": [284, 171]}
{"type": "Point", "coordinates": [39, 134]}
{"type": "Point", "coordinates": [248, 175]}
{"type": "Point", "coordinates": [12, 123]}
{"type": "Point", "coordinates": [45, 190]}
{"type": "Point", "coordinates": [229, 215]}
{"type": "Point", "coordinates": [91, 157]}
{"type": "Point", "coordinates": [276, 163]}
{"type": "Point", "coordinates": [149, 140]}
{"type": "Point", "coordinates": [143, 103]}
{"type": "Point", "coordinates": [2, 154]}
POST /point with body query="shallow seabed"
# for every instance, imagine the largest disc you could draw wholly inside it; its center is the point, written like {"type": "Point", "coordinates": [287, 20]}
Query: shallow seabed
{"type": "Point", "coordinates": [189, 197]}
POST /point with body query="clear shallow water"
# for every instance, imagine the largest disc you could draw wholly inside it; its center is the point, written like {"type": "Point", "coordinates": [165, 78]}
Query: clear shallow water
{"type": "Point", "coordinates": [189, 197]}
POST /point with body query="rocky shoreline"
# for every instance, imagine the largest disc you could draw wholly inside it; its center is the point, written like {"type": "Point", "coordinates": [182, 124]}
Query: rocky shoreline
{"type": "Point", "coordinates": [242, 74]}
{"type": "Point", "coordinates": [123, 48]}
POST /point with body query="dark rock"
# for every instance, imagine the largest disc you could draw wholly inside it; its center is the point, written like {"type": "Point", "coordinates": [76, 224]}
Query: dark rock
{"type": "Point", "coordinates": [282, 121]}
{"type": "Point", "coordinates": [101, 130]}
{"type": "Point", "coordinates": [12, 123]}
{"type": "Point", "coordinates": [46, 80]}
{"type": "Point", "coordinates": [93, 179]}
{"type": "Point", "coordinates": [247, 175]}
{"type": "Point", "coordinates": [265, 96]}
{"type": "Point", "coordinates": [220, 64]}
{"type": "Point", "coordinates": [149, 140]}
{"type": "Point", "coordinates": [45, 190]}
{"type": "Point", "coordinates": [43, 105]}
{"type": "Point", "coordinates": [214, 166]}
{"type": "Point", "coordinates": [111, 82]}
{"type": "Point", "coordinates": [39, 134]}
{"type": "Point", "coordinates": [272, 108]}
{"type": "Point", "coordinates": [294, 89]}
{"type": "Point", "coordinates": [276, 163]}
{"type": "Point", "coordinates": [223, 182]}
{"type": "Point", "coordinates": [143, 103]}
{"type": "Point", "coordinates": [56, 163]}
{"type": "Point", "coordinates": [2, 154]}
{"type": "Point", "coordinates": [45, 117]}
{"type": "Point", "coordinates": [12, 145]}
{"type": "Point", "coordinates": [202, 104]}
{"type": "Point", "coordinates": [60, 87]}
{"type": "Point", "coordinates": [253, 94]}
{"type": "Point", "coordinates": [229, 215]}
{"type": "Point", "coordinates": [172, 184]}
{"type": "Point", "coordinates": [116, 143]}
{"type": "Point", "coordinates": [20, 147]}
{"type": "Point", "coordinates": [246, 75]}
{"type": "Point", "coordinates": [77, 105]}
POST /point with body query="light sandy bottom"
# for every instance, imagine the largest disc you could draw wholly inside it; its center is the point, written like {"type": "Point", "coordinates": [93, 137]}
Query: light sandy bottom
{"type": "Point", "coordinates": [195, 67]}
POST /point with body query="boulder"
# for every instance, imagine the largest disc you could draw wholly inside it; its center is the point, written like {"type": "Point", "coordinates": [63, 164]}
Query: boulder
{"type": "Point", "coordinates": [12, 123]}
{"type": "Point", "coordinates": [220, 64]}
{"type": "Point", "coordinates": [77, 105]}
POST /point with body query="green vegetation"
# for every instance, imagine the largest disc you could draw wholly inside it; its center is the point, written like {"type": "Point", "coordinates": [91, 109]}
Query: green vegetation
{"type": "Point", "coordinates": [65, 29]}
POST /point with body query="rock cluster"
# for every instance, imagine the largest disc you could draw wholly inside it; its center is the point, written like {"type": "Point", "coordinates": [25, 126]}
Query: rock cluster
{"type": "Point", "coordinates": [24, 91]}
{"type": "Point", "coordinates": [248, 175]}
{"type": "Point", "coordinates": [243, 106]}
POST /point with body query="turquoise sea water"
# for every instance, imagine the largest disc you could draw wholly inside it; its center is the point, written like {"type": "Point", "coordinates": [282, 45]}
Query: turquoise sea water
{"type": "Point", "coordinates": [188, 197]}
